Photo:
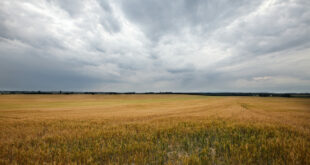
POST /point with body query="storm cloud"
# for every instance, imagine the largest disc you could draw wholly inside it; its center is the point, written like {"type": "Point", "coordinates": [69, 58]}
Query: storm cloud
{"type": "Point", "coordinates": [144, 45]}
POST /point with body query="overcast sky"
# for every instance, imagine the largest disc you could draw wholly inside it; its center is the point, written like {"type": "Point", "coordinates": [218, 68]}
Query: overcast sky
{"type": "Point", "coordinates": [155, 45]}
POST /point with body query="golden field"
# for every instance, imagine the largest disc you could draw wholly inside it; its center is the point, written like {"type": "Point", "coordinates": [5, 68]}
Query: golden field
{"type": "Point", "coordinates": [153, 129]}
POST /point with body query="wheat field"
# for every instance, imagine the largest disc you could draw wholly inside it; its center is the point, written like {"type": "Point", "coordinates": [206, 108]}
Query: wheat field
{"type": "Point", "coordinates": [153, 129]}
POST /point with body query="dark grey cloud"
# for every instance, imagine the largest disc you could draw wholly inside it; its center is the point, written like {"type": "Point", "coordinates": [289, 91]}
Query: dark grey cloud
{"type": "Point", "coordinates": [27, 70]}
{"type": "Point", "coordinates": [73, 8]}
{"type": "Point", "coordinates": [158, 18]}
{"type": "Point", "coordinates": [144, 45]}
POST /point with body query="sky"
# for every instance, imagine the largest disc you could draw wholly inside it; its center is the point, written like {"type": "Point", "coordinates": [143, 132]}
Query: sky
{"type": "Point", "coordinates": [155, 45]}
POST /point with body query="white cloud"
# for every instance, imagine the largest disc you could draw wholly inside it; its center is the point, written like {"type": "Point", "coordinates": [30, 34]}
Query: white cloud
{"type": "Point", "coordinates": [146, 45]}
{"type": "Point", "coordinates": [261, 78]}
